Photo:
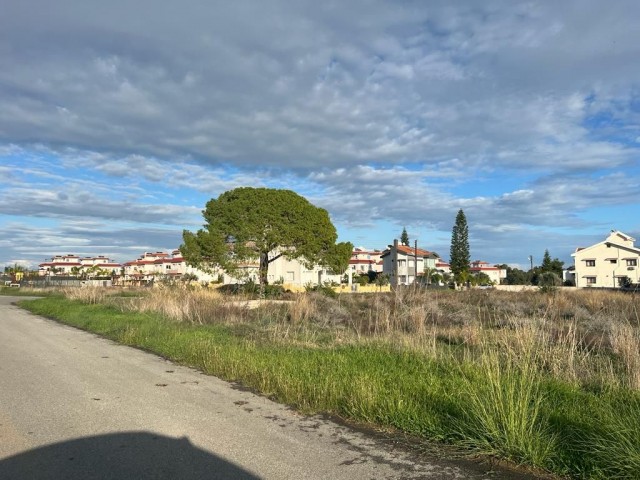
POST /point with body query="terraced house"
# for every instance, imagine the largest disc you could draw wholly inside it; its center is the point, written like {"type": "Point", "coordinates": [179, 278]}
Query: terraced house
{"type": "Point", "coordinates": [292, 274]}
{"type": "Point", "coordinates": [73, 265]}
{"type": "Point", "coordinates": [612, 263]}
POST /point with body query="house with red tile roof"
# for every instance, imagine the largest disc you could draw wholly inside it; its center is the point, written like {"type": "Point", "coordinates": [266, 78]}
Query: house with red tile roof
{"type": "Point", "coordinates": [67, 265]}
{"type": "Point", "coordinates": [404, 263]}
{"type": "Point", "coordinates": [494, 273]}
{"type": "Point", "coordinates": [293, 274]}
{"type": "Point", "coordinates": [364, 261]}
{"type": "Point", "coordinates": [151, 266]}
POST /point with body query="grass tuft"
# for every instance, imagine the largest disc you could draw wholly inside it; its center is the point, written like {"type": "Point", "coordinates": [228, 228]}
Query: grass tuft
{"type": "Point", "coordinates": [505, 400]}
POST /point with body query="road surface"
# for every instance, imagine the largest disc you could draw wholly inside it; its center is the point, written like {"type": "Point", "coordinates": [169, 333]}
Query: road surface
{"type": "Point", "coordinates": [76, 406]}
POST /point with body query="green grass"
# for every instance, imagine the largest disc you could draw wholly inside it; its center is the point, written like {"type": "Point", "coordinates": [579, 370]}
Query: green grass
{"type": "Point", "coordinates": [504, 413]}
{"type": "Point", "coordinates": [499, 405]}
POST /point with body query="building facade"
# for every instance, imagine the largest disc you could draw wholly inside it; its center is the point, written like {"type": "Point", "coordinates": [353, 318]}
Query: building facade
{"type": "Point", "coordinates": [364, 261]}
{"type": "Point", "coordinates": [494, 273]}
{"type": "Point", "coordinates": [404, 264]}
{"type": "Point", "coordinates": [612, 263]}
{"type": "Point", "coordinates": [73, 265]}
{"type": "Point", "coordinates": [293, 274]}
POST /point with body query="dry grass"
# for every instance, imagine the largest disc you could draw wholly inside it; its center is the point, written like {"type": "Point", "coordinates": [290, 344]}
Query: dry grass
{"type": "Point", "coordinates": [90, 295]}
{"type": "Point", "coordinates": [625, 344]}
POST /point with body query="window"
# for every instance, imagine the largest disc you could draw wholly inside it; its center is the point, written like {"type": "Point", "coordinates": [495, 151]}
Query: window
{"type": "Point", "coordinates": [613, 260]}
{"type": "Point", "coordinates": [401, 263]}
{"type": "Point", "coordinates": [590, 280]}
{"type": "Point", "coordinates": [632, 262]}
{"type": "Point", "coordinates": [590, 263]}
{"type": "Point", "coordinates": [291, 276]}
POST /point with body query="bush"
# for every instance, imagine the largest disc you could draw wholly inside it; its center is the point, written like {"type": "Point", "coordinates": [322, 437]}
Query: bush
{"type": "Point", "coordinates": [324, 289]}
{"type": "Point", "coordinates": [548, 281]}
{"type": "Point", "coordinates": [252, 289]}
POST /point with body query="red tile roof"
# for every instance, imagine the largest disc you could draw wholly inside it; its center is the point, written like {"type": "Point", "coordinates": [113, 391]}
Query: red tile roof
{"type": "Point", "coordinates": [407, 250]}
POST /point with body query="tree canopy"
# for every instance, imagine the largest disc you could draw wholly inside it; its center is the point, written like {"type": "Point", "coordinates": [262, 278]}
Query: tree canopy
{"type": "Point", "coordinates": [248, 224]}
{"type": "Point", "coordinates": [460, 248]}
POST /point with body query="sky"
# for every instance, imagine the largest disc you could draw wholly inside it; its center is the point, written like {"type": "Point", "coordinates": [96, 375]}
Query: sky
{"type": "Point", "coordinates": [119, 120]}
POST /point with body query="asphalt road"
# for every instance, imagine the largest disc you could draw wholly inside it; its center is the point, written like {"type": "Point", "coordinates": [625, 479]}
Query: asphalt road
{"type": "Point", "coordinates": [76, 406]}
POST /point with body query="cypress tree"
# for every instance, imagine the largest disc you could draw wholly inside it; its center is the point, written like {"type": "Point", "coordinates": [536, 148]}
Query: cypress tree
{"type": "Point", "coordinates": [546, 261]}
{"type": "Point", "coordinates": [460, 249]}
{"type": "Point", "coordinates": [404, 238]}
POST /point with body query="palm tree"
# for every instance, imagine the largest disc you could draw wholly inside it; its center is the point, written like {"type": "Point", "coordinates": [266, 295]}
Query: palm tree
{"type": "Point", "coordinates": [428, 273]}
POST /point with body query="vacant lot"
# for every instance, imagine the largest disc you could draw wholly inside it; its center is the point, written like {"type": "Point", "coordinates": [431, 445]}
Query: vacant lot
{"type": "Point", "coordinates": [550, 380]}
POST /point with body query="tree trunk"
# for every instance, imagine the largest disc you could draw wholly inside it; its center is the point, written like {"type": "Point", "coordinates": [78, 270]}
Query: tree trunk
{"type": "Point", "coordinates": [264, 268]}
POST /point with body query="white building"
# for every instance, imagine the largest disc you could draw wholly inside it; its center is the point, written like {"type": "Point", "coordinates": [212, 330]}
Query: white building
{"type": "Point", "coordinates": [73, 265]}
{"type": "Point", "coordinates": [402, 262]}
{"type": "Point", "coordinates": [293, 274]}
{"type": "Point", "coordinates": [152, 266]}
{"type": "Point", "coordinates": [610, 263]}
{"type": "Point", "coordinates": [364, 261]}
{"type": "Point", "coordinates": [494, 273]}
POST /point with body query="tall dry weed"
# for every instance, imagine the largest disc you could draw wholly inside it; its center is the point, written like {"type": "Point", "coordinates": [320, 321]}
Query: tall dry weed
{"type": "Point", "coordinates": [87, 294]}
{"type": "Point", "coordinates": [191, 306]}
{"type": "Point", "coordinates": [303, 309]}
{"type": "Point", "coordinates": [625, 343]}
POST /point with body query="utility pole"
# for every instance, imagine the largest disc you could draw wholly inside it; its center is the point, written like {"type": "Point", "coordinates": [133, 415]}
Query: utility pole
{"type": "Point", "coordinates": [415, 258]}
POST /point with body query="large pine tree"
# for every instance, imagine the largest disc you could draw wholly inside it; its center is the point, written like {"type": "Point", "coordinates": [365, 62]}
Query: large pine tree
{"type": "Point", "coordinates": [460, 249]}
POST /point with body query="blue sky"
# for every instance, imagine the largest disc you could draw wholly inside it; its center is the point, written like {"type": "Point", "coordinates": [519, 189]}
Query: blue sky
{"type": "Point", "coordinates": [120, 120]}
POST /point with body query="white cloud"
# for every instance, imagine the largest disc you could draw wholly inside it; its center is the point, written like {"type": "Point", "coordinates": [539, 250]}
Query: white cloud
{"type": "Point", "coordinates": [380, 111]}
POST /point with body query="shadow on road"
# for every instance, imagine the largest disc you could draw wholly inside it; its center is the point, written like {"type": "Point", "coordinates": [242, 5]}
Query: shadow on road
{"type": "Point", "coordinates": [120, 456]}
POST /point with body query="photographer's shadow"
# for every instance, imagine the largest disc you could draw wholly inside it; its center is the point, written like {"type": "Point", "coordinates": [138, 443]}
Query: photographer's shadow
{"type": "Point", "coordinates": [120, 456]}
